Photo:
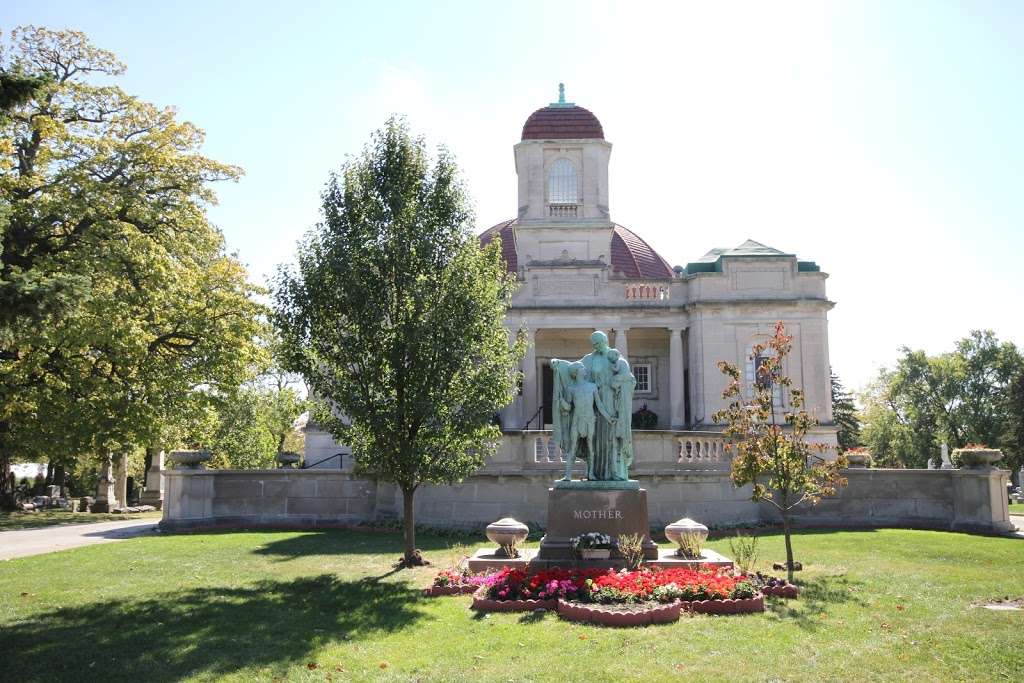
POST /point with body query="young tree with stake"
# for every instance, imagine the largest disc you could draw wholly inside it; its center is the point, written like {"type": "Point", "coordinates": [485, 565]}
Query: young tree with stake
{"type": "Point", "coordinates": [769, 444]}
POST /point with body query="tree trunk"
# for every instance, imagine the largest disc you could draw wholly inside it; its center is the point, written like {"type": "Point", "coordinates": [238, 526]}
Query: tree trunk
{"type": "Point", "coordinates": [409, 523]}
{"type": "Point", "coordinates": [789, 547]}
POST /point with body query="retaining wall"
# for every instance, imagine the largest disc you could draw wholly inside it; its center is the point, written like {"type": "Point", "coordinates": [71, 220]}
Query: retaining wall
{"type": "Point", "coordinates": [972, 500]}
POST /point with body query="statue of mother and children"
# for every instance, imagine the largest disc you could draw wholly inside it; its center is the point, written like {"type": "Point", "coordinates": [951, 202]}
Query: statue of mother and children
{"type": "Point", "coordinates": [593, 410]}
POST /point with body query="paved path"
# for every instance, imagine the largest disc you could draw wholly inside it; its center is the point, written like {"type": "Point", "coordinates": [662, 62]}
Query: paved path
{"type": "Point", "coordinates": [25, 542]}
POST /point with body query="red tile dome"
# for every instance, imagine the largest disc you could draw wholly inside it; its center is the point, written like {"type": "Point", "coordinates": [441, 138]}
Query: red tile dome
{"type": "Point", "coordinates": [631, 256]}
{"type": "Point", "coordinates": [562, 122]}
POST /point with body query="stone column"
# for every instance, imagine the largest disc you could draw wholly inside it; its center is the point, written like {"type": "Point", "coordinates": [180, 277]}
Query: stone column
{"type": "Point", "coordinates": [106, 498]}
{"type": "Point", "coordinates": [530, 389]}
{"type": "Point", "coordinates": [154, 493]}
{"type": "Point", "coordinates": [121, 476]}
{"type": "Point", "coordinates": [622, 342]}
{"type": "Point", "coordinates": [675, 377]}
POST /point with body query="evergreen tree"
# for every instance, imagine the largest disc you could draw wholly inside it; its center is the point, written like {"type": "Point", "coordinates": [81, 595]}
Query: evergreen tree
{"type": "Point", "coordinates": [844, 414]}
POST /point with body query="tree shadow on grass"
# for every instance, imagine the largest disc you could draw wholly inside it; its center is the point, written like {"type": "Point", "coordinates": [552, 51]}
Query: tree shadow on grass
{"type": "Point", "coordinates": [206, 632]}
{"type": "Point", "coordinates": [816, 597]}
{"type": "Point", "coordinates": [346, 542]}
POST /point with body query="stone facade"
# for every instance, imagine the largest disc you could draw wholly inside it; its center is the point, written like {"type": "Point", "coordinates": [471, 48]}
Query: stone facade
{"type": "Point", "coordinates": [579, 271]}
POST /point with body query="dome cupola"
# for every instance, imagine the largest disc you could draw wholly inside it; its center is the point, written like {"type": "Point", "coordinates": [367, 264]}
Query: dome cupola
{"type": "Point", "coordinates": [562, 120]}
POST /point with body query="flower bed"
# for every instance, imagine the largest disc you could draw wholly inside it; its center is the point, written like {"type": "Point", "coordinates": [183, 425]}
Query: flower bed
{"type": "Point", "coordinates": [619, 598]}
{"type": "Point", "coordinates": [454, 582]}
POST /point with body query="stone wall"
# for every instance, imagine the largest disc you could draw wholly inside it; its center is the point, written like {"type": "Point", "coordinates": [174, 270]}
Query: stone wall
{"type": "Point", "coordinates": [938, 499]}
{"type": "Point", "coordinates": [958, 500]}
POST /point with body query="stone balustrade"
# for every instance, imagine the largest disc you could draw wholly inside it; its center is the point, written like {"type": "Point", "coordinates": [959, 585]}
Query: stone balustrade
{"type": "Point", "coordinates": [643, 291]}
{"type": "Point", "coordinates": [699, 449]}
{"type": "Point", "coordinates": [562, 210]}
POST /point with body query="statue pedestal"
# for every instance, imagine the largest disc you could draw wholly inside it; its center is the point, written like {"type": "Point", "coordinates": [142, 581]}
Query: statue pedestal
{"type": "Point", "coordinates": [578, 509]}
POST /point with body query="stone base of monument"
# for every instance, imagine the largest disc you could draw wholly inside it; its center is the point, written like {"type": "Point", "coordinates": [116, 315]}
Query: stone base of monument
{"type": "Point", "coordinates": [491, 559]}
{"type": "Point", "coordinates": [668, 559]}
{"type": "Point", "coordinates": [578, 508]}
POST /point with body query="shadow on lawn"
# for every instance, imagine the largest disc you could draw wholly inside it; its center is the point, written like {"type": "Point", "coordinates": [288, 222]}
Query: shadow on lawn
{"type": "Point", "coordinates": [206, 631]}
{"type": "Point", "coordinates": [346, 542]}
{"type": "Point", "coordinates": [816, 597]}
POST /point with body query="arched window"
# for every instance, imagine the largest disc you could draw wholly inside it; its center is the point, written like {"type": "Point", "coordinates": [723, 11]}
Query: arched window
{"type": "Point", "coordinates": [563, 187]}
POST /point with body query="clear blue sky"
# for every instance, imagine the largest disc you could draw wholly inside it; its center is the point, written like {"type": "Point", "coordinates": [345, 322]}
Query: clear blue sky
{"type": "Point", "coordinates": [883, 140]}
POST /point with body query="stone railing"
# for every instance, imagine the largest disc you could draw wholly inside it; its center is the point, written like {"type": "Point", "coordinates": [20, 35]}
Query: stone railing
{"type": "Point", "coordinates": [562, 210]}
{"type": "Point", "coordinates": [698, 448]}
{"type": "Point", "coordinates": [643, 291]}
{"type": "Point", "coordinates": [654, 451]}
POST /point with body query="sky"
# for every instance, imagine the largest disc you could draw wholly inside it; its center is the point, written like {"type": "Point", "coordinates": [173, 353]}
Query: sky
{"type": "Point", "coordinates": [883, 140]}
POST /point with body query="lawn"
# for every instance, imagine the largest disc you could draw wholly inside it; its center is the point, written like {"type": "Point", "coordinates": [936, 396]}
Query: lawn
{"type": "Point", "coordinates": [314, 606]}
{"type": "Point", "coordinates": [43, 518]}
{"type": "Point", "coordinates": [1017, 508]}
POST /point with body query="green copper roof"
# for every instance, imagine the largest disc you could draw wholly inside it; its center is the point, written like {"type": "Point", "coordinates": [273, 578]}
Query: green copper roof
{"type": "Point", "coordinates": [711, 262]}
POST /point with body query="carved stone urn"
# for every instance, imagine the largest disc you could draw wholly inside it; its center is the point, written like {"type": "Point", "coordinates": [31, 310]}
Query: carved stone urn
{"type": "Point", "coordinates": [191, 460]}
{"type": "Point", "coordinates": [688, 535]}
{"type": "Point", "coordinates": [858, 459]}
{"type": "Point", "coordinates": [507, 533]}
{"type": "Point", "coordinates": [978, 458]}
{"type": "Point", "coordinates": [288, 459]}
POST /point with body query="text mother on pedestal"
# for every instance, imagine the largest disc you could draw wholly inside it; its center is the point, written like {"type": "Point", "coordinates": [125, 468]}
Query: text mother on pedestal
{"type": "Point", "coordinates": [593, 400]}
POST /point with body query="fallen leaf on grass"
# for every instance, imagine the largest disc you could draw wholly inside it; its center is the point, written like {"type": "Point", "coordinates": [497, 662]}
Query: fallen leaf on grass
{"type": "Point", "coordinates": [384, 665]}
{"type": "Point", "coordinates": [312, 665]}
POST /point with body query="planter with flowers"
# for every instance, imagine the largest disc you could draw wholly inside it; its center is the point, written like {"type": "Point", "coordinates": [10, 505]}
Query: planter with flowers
{"type": "Point", "coordinates": [453, 582]}
{"type": "Point", "coordinates": [592, 546]}
{"type": "Point", "coordinates": [976, 456]}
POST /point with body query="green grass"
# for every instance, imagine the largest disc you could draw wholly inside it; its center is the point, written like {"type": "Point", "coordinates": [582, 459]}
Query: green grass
{"type": "Point", "coordinates": [313, 606]}
{"type": "Point", "coordinates": [1017, 508]}
{"type": "Point", "coordinates": [44, 518]}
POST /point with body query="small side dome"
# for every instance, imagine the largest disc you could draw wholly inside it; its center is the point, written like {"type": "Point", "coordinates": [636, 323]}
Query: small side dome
{"type": "Point", "coordinates": [562, 120]}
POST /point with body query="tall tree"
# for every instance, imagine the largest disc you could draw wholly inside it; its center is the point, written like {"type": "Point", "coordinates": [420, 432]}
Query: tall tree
{"type": "Point", "coordinates": [395, 317]}
{"type": "Point", "coordinates": [967, 395]}
{"type": "Point", "coordinates": [769, 443]}
{"type": "Point", "coordinates": [844, 413]}
{"type": "Point", "coordinates": [117, 299]}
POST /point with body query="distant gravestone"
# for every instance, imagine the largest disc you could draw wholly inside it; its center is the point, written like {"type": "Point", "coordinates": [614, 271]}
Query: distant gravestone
{"type": "Point", "coordinates": [946, 464]}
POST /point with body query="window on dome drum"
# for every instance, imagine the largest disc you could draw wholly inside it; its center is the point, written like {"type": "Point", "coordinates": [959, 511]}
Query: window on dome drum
{"type": "Point", "coordinates": [563, 186]}
{"type": "Point", "coordinates": [642, 372]}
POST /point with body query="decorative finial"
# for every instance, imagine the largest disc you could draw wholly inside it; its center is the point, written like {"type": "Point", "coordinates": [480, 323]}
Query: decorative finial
{"type": "Point", "coordinates": [561, 98]}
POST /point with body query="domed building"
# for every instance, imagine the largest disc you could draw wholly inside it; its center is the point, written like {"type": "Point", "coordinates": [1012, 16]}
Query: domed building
{"type": "Point", "coordinates": [579, 271]}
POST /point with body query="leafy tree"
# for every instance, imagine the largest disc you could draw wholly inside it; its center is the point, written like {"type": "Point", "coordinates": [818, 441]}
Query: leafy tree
{"type": "Point", "coordinates": [394, 315]}
{"type": "Point", "coordinates": [770, 450]}
{"type": "Point", "coordinates": [844, 413]}
{"type": "Point", "coordinates": [964, 396]}
{"type": "Point", "coordinates": [117, 300]}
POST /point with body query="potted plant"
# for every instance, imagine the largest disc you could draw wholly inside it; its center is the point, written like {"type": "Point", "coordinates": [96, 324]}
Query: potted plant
{"type": "Point", "coordinates": [592, 546]}
{"type": "Point", "coordinates": [976, 456]}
